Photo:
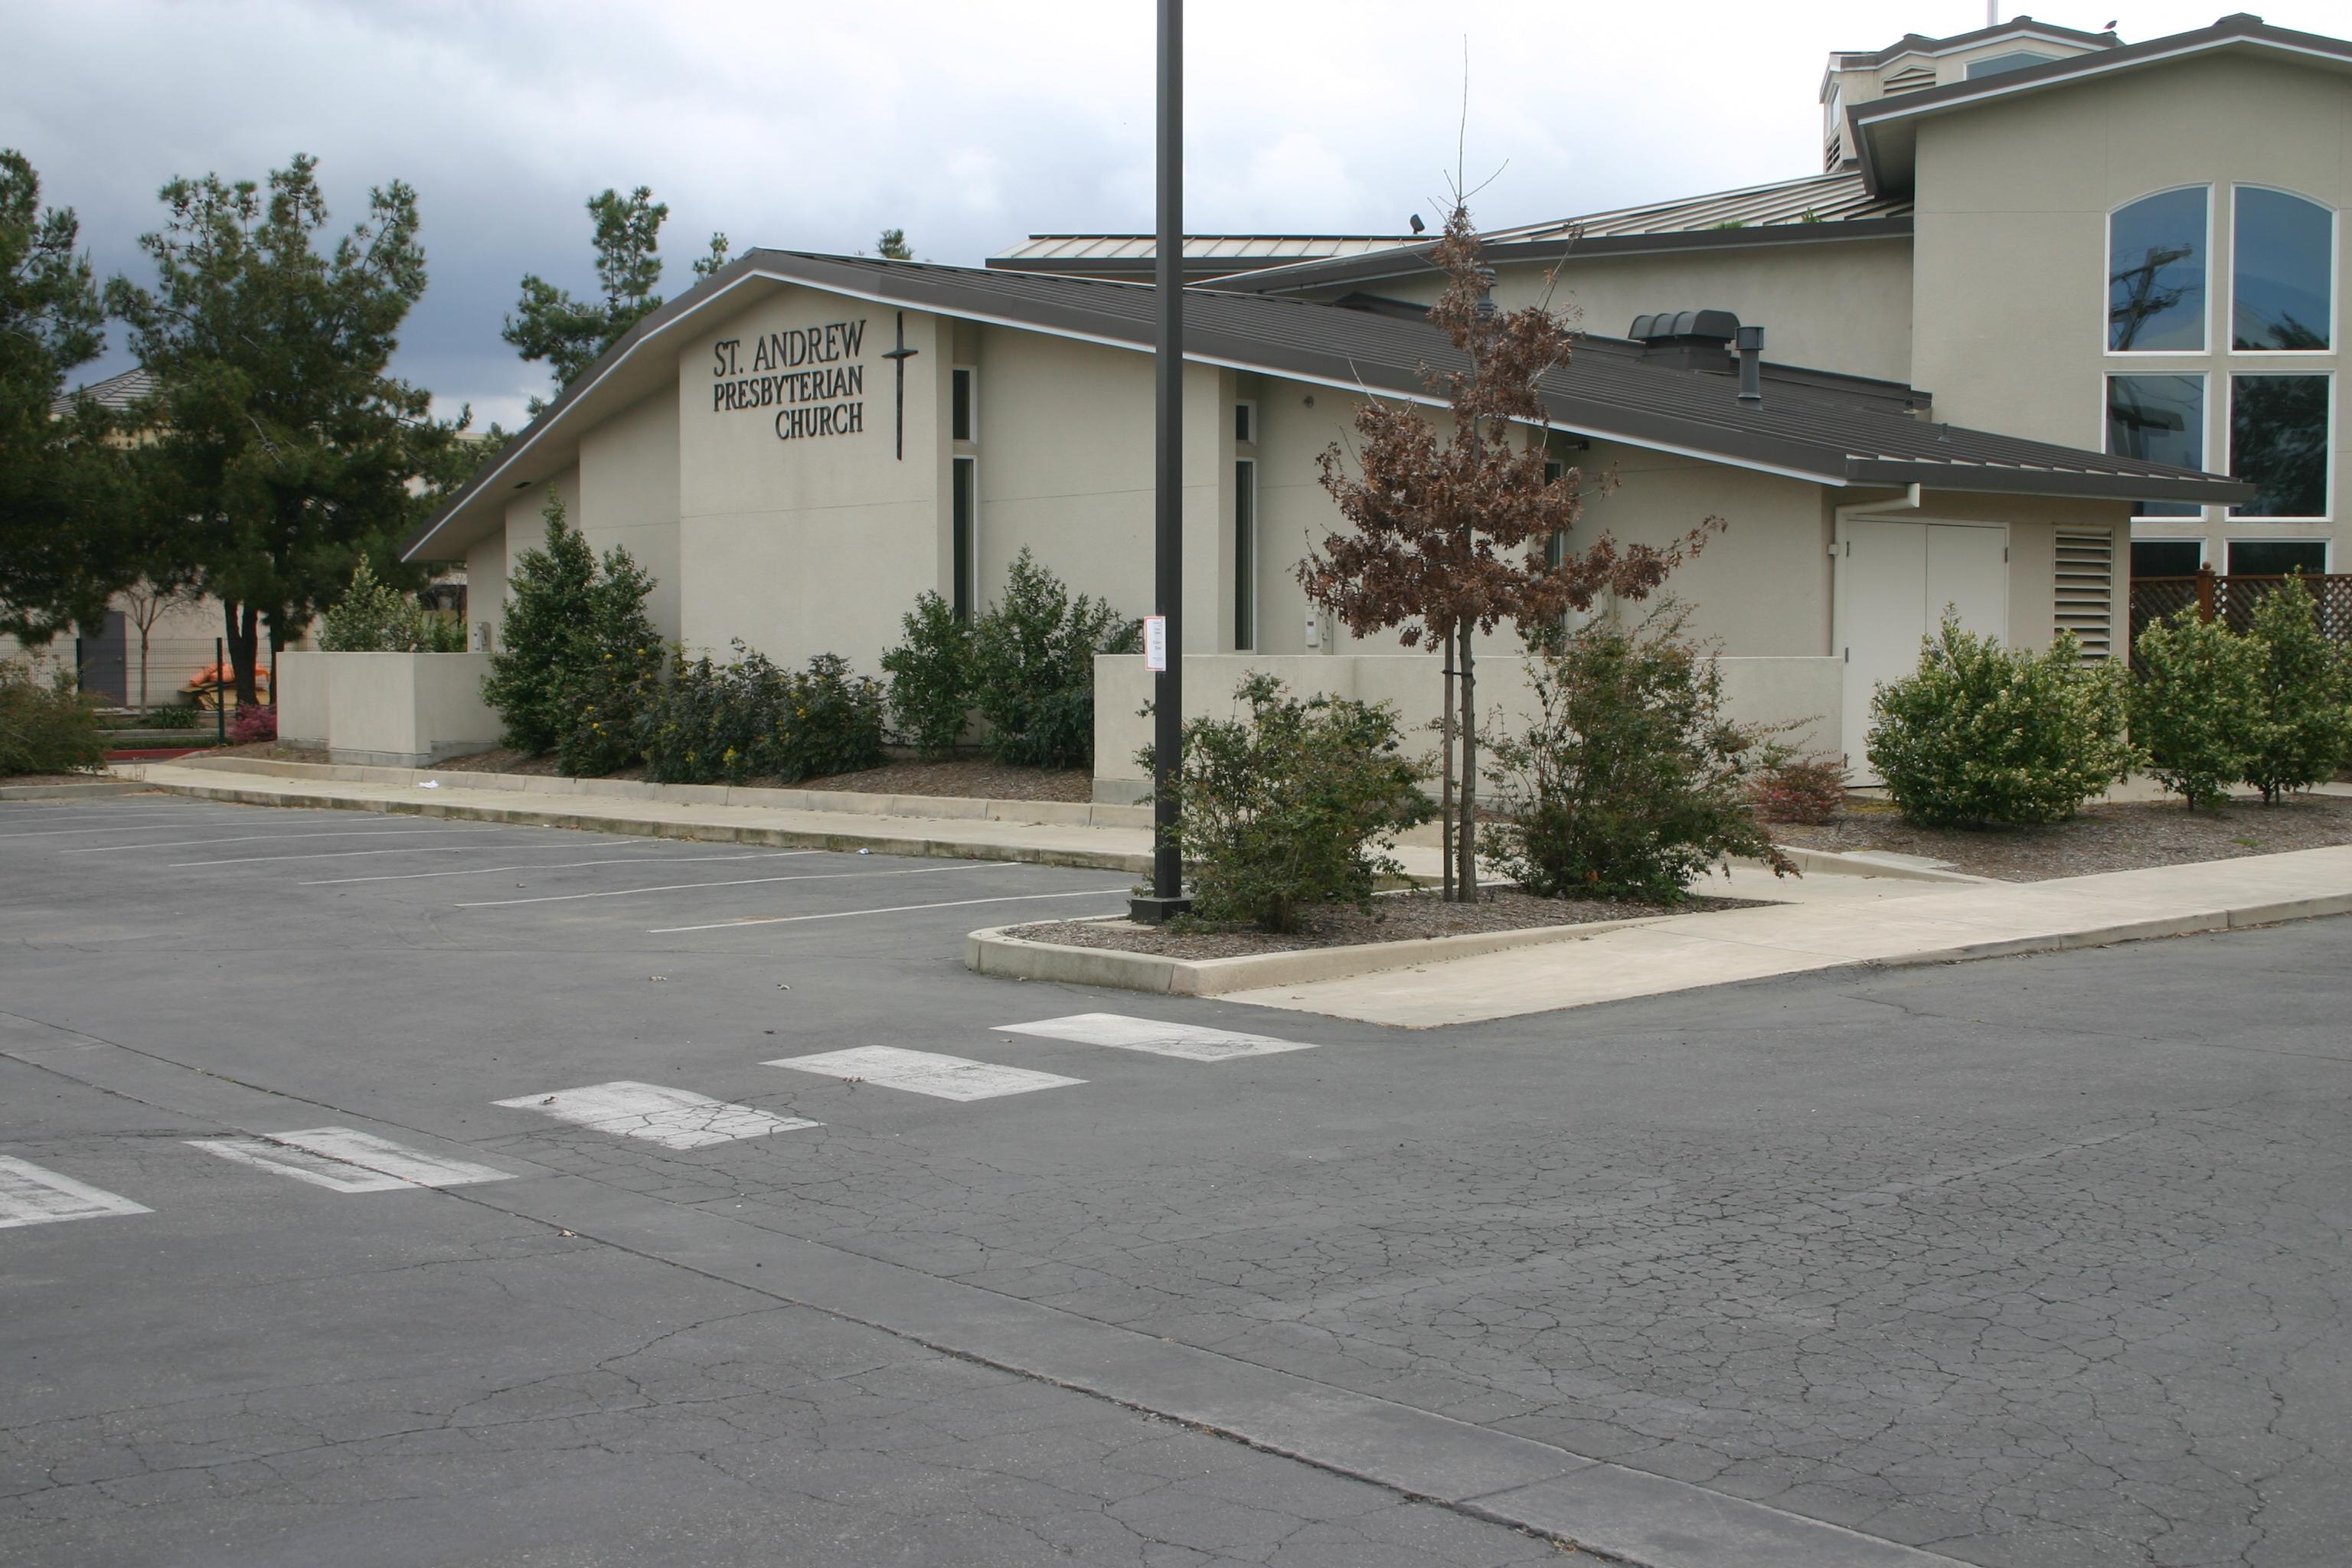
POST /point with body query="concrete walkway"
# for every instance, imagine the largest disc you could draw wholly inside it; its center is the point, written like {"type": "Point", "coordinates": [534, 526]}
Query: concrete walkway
{"type": "Point", "coordinates": [1689, 951]}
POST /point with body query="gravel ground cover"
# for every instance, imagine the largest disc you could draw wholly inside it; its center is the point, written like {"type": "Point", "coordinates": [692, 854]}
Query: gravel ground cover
{"type": "Point", "coordinates": [1394, 917]}
{"type": "Point", "coordinates": [2098, 838]}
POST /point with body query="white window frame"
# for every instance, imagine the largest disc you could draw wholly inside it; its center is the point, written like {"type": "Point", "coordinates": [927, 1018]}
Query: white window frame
{"type": "Point", "coordinates": [2335, 278]}
{"type": "Point", "coordinates": [2327, 547]}
{"type": "Point", "coordinates": [2230, 437]}
{"type": "Point", "coordinates": [2107, 273]}
{"type": "Point", "coordinates": [972, 402]}
{"type": "Point", "coordinates": [2204, 377]}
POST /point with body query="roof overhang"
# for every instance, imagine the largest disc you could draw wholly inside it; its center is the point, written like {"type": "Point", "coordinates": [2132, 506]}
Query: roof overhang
{"type": "Point", "coordinates": [1884, 130]}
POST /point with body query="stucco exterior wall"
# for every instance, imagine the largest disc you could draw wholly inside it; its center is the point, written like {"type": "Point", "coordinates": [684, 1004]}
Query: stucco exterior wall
{"type": "Point", "coordinates": [629, 497]}
{"type": "Point", "coordinates": [2010, 318]}
{"type": "Point", "coordinates": [394, 710]}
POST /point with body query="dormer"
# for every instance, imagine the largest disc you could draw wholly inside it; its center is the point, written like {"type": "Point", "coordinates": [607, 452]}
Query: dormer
{"type": "Point", "coordinates": [1912, 64]}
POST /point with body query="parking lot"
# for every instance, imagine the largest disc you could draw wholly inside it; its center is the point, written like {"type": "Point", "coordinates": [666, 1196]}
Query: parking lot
{"type": "Point", "coordinates": [580, 1199]}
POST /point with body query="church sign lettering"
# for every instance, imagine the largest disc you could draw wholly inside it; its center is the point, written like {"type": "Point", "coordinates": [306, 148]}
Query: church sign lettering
{"type": "Point", "coordinates": [801, 373]}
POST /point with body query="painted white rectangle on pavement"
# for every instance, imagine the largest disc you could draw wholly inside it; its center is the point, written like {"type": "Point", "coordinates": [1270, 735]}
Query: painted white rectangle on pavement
{"type": "Point", "coordinates": [31, 1195]}
{"type": "Point", "coordinates": [1186, 1040]}
{"type": "Point", "coordinates": [674, 1118]}
{"type": "Point", "coordinates": [922, 1072]}
{"type": "Point", "coordinates": [345, 1161]}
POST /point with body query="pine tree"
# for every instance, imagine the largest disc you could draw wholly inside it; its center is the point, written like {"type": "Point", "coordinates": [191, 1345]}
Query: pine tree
{"type": "Point", "coordinates": [550, 596]}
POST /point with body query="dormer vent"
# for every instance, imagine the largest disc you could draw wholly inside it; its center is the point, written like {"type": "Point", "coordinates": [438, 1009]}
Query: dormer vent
{"type": "Point", "coordinates": [1687, 340]}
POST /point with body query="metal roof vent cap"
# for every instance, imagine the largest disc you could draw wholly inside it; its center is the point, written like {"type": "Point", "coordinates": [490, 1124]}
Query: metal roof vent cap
{"type": "Point", "coordinates": [1751, 365]}
{"type": "Point", "coordinates": [1687, 340]}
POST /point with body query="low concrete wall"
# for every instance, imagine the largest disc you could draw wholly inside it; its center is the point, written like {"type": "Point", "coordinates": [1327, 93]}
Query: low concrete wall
{"type": "Point", "coordinates": [389, 710]}
{"type": "Point", "coordinates": [1803, 691]}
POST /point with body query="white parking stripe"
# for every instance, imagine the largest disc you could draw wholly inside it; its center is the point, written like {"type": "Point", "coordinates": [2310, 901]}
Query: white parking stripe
{"type": "Point", "coordinates": [569, 865]}
{"type": "Point", "coordinates": [266, 837]}
{"type": "Point", "coordinates": [674, 1118]}
{"type": "Point", "coordinates": [181, 822]}
{"type": "Point", "coordinates": [737, 882]}
{"type": "Point", "coordinates": [1189, 1041]}
{"type": "Point", "coordinates": [347, 1161]}
{"type": "Point", "coordinates": [352, 854]}
{"type": "Point", "coordinates": [923, 1072]}
{"type": "Point", "coordinates": [30, 1195]}
{"type": "Point", "coordinates": [891, 909]}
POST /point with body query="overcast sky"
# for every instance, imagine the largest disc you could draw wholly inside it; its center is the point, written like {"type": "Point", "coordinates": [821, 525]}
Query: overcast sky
{"type": "Point", "coordinates": [968, 122]}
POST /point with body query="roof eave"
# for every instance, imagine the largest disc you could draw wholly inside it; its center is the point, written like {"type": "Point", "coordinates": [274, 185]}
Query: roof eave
{"type": "Point", "coordinates": [1995, 479]}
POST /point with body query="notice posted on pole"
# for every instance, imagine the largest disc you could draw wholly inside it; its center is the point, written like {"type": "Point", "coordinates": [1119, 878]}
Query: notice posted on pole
{"type": "Point", "coordinates": [1155, 642]}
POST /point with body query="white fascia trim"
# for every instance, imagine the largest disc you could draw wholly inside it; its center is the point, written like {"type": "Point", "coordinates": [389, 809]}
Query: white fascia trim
{"type": "Point", "coordinates": [1899, 107]}
{"type": "Point", "coordinates": [488, 484]}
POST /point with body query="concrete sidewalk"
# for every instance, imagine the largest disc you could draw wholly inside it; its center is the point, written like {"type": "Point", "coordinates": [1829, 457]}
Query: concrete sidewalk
{"type": "Point", "coordinates": [1690, 952]}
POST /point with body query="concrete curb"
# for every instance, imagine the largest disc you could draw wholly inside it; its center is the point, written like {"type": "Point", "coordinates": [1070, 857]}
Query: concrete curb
{"type": "Point", "coordinates": [2316, 907]}
{"type": "Point", "coordinates": [1038, 813]}
{"type": "Point", "coordinates": [993, 952]}
{"type": "Point", "coordinates": [91, 791]}
{"type": "Point", "coordinates": [771, 837]}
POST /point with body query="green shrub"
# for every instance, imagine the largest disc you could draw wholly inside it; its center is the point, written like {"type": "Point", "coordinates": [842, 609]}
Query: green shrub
{"type": "Point", "coordinates": [2198, 706]}
{"type": "Point", "coordinates": [1981, 735]}
{"type": "Point", "coordinates": [45, 726]}
{"type": "Point", "coordinates": [1034, 668]}
{"type": "Point", "coordinates": [2304, 728]}
{"type": "Point", "coordinates": [372, 617]}
{"type": "Point", "coordinates": [931, 677]}
{"type": "Point", "coordinates": [1629, 780]}
{"type": "Point", "coordinates": [1293, 807]}
{"type": "Point", "coordinates": [171, 716]}
{"type": "Point", "coordinates": [579, 659]}
{"type": "Point", "coordinates": [728, 723]}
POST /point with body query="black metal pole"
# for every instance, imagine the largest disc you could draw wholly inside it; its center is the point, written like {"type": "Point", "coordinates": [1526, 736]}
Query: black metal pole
{"type": "Point", "coordinates": [1167, 896]}
{"type": "Point", "coordinates": [220, 692]}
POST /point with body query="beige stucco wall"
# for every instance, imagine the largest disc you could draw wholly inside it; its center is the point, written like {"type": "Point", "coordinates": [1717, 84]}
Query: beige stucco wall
{"type": "Point", "coordinates": [2009, 320]}
{"type": "Point", "coordinates": [629, 497]}
{"type": "Point", "coordinates": [398, 710]}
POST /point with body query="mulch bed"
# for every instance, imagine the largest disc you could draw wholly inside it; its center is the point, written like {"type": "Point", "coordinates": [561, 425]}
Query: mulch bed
{"type": "Point", "coordinates": [1394, 917]}
{"type": "Point", "coordinates": [54, 778]}
{"type": "Point", "coordinates": [274, 750]}
{"type": "Point", "coordinates": [975, 778]}
{"type": "Point", "coordinates": [2097, 838]}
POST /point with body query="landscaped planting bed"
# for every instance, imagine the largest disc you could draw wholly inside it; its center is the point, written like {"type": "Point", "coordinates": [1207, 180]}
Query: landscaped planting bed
{"type": "Point", "coordinates": [2123, 837]}
{"type": "Point", "coordinates": [978, 778]}
{"type": "Point", "coordinates": [1394, 917]}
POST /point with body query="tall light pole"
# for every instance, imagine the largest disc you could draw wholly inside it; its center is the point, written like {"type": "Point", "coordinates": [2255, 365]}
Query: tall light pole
{"type": "Point", "coordinates": [1167, 896]}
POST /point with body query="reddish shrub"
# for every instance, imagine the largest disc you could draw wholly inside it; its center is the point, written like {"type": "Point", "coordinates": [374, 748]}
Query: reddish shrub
{"type": "Point", "coordinates": [1799, 788]}
{"type": "Point", "coordinates": [247, 725]}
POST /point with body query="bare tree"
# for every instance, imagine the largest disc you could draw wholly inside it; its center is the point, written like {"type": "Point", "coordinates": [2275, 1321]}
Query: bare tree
{"type": "Point", "coordinates": [146, 602]}
{"type": "Point", "coordinates": [1453, 534]}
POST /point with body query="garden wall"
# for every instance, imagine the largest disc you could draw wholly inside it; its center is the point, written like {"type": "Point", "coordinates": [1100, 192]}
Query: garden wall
{"type": "Point", "coordinates": [386, 710]}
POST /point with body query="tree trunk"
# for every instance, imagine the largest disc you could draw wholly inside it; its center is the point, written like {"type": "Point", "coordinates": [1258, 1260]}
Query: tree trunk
{"type": "Point", "coordinates": [1446, 771]}
{"type": "Point", "coordinates": [142, 669]}
{"type": "Point", "coordinates": [244, 634]}
{"type": "Point", "coordinates": [1466, 871]}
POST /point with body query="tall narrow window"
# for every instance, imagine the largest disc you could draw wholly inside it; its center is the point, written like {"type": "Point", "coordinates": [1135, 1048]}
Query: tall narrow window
{"type": "Point", "coordinates": [2282, 272]}
{"type": "Point", "coordinates": [960, 413]}
{"type": "Point", "coordinates": [1245, 423]}
{"type": "Point", "coordinates": [1244, 556]}
{"type": "Point", "coordinates": [2278, 441]}
{"type": "Point", "coordinates": [2156, 274]}
{"type": "Point", "coordinates": [2159, 419]}
{"type": "Point", "coordinates": [965, 523]}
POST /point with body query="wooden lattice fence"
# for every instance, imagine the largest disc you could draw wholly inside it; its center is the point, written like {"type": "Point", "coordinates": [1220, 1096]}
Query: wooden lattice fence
{"type": "Point", "coordinates": [2232, 600]}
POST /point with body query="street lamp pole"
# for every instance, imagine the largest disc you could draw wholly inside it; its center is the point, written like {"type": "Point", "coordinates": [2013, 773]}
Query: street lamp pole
{"type": "Point", "coordinates": [1167, 896]}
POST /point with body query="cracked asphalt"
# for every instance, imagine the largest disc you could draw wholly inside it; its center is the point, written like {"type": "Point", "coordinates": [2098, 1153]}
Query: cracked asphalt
{"type": "Point", "coordinates": [2038, 1261]}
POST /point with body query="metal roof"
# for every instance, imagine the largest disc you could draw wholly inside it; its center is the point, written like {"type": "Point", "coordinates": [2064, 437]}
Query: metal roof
{"type": "Point", "coordinates": [1836, 197]}
{"type": "Point", "coordinates": [1206, 246]}
{"type": "Point", "coordinates": [116, 392]}
{"type": "Point", "coordinates": [1832, 430]}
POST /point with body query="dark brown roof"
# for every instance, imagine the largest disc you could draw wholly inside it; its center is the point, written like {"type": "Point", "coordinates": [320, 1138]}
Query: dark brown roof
{"type": "Point", "coordinates": [1833, 430]}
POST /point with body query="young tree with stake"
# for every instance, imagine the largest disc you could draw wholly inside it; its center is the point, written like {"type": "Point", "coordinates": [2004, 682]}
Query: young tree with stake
{"type": "Point", "coordinates": [1451, 530]}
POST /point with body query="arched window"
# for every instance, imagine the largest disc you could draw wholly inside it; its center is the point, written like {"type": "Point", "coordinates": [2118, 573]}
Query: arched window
{"type": "Point", "coordinates": [2282, 272]}
{"type": "Point", "coordinates": [2156, 274]}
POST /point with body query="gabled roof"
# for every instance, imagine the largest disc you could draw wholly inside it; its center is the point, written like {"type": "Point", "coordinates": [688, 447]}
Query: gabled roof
{"type": "Point", "coordinates": [1206, 256]}
{"type": "Point", "coordinates": [1816, 209]}
{"type": "Point", "coordinates": [1832, 430]}
{"type": "Point", "coordinates": [2017, 28]}
{"type": "Point", "coordinates": [1884, 130]}
{"type": "Point", "coordinates": [116, 392]}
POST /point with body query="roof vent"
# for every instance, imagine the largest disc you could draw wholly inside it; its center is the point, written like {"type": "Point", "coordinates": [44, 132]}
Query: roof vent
{"type": "Point", "coordinates": [1687, 340]}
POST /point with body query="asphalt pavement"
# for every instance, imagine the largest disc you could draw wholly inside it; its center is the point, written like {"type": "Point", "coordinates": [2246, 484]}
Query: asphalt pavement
{"type": "Point", "coordinates": [397, 1191]}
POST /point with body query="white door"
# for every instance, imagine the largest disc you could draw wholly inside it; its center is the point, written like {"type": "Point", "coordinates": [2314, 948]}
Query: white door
{"type": "Point", "coordinates": [1893, 579]}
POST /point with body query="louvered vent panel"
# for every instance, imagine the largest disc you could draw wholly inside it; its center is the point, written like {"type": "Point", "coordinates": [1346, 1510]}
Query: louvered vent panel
{"type": "Point", "coordinates": [2086, 591]}
{"type": "Point", "coordinates": [1911, 79]}
{"type": "Point", "coordinates": [1830, 149]}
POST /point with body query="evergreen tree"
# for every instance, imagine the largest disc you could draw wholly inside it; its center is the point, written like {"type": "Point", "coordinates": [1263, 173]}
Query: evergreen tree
{"type": "Point", "coordinates": [68, 540]}
{"type": "Point", "coordinates": [549, 597]}
{"type": "Point", "coordinates": [891, 245]}
{"type": "Point", "coordinates": [279, 448]}
{"type": "Point", "coordinates": [572, 333]}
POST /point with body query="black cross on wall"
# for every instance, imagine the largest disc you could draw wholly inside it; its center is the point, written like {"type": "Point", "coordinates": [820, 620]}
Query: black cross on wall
{"type": "Point", "coordinates": [898, 358]}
